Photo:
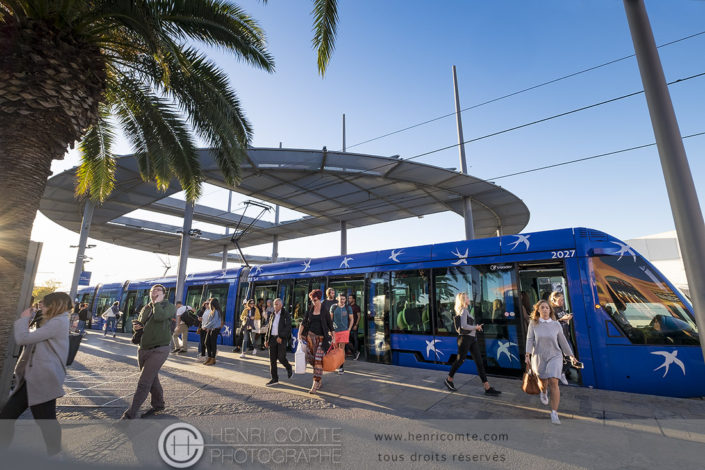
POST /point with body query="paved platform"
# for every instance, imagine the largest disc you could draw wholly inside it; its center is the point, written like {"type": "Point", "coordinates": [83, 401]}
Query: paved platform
{"type": "Point", "coordinates": [386, 414]}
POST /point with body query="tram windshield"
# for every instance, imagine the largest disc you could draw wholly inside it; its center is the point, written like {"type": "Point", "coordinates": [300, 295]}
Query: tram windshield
{"type": "Point", "coordinates": [639, 301]}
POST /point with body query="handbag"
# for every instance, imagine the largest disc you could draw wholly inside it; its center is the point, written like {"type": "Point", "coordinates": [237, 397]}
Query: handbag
{"type": "Point", "coordinates": [530, 383]}
{"type": "Point", "coordinates": [334, 358]}
{"type": "Point", "coordinates": [300, 359]}
{"type": "Point", "coordinates": [137, 334]}
{"type": "Point", "coordinates": [342, 336]}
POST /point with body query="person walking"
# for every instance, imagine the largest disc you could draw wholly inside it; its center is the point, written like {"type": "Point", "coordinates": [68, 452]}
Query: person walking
{"type": "Point", "coordinates": [545, 347]}
{"type": "Point", "coordinates": [153, 350]}
{"type": "Point", "coordinates": [276, 339]}
{"type": "Point", "coordinates": [200, 331]}
{"type": "Point", "coordinates": [181, 329]}
{"type": "Point", "coordinates": [40, 370]}
{"type": "Point", "coordinates": [467, 341]}
{"type": "Point", "coordinates": [82, 318]}
{"type": "Point", "coordinates": [557, 302]}
{"type": "Point", "coordinates": [343, 319]}
{"type": "Point", "coordinates": [247, 324]}
{"type": "Point", "coordinates": [111, 317]}
{"type": "Point", "coordinates": [212, 322]}
{"type": "Point", "coordinates": [317, 331]}
{"type": "Point", "coordinates": [354, 339]}
{"type": "Point", "coordinates": [330, 300]}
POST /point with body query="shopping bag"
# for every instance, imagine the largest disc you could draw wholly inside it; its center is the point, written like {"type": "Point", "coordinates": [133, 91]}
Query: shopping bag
{"type": "Point", "coordinates": [342, 336]}
{"type": "Point", "coordinates": [74, 343]}
{"type": "Point", "coordinates": [334, 358]}
{"type": "Point", "coordinates": [300, 359]}
{"type": "Point", "coordinates": [530, 384]}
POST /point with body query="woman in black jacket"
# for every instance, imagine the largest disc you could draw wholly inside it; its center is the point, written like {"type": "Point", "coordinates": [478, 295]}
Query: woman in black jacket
{"type": "Point", "coordinates": [317, 331]}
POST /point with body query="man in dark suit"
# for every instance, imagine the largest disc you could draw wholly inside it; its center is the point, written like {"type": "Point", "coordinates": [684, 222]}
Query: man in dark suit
{"type": "Point", "coordinates": [276, 339]}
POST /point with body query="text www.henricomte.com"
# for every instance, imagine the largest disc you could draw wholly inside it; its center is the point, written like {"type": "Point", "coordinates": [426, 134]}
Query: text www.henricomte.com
{"type": "Point", "coordinates": [443, 437]}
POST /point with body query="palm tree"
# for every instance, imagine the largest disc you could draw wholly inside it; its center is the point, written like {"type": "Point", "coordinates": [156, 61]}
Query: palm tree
{"type": "Point", "coordinates": [75, 70]}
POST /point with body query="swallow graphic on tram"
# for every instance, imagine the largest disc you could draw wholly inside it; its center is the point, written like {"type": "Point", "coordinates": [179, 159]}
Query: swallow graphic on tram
{"type": "Point", "coordinates": [628, 325]}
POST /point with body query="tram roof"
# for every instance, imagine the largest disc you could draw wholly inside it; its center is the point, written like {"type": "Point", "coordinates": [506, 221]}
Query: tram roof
{"type": "Point", "coordinates": [326, 186]}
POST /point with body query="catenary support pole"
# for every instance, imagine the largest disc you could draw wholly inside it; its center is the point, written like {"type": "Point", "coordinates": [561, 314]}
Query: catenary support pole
{"type": "Point", "coordinates": [183, 256]}
{"type": "Point", "coordinates": [344, 132]}
{"type": "Point", "coordinates": [343, 238]}
{"type": "Point", "coordinates": [685, 206]}
{"type": "Point", "coordinates": [83, 239]}
{"type": "Point", "coordinates": [275, 237]}
{"type": "Point", "coordinates": [467, 202]}
{"type": "Point", "coordinates": [224, 265]}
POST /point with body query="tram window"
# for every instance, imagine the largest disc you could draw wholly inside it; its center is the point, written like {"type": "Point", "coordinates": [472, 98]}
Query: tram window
{"type": "Point", "coordinates": [496, 297]}
{"type": "Point", "coordinates": [299, 302]}
{"type": "Point", "coordinates": [410, 305]}
{"type": "Point", "coordinates": [641, 303]}
{"type": "Point", "coordinates": [448, 283]}
{"type": "Point", "coordinates": [105, 300]}
{"type": "Point", "coordinates": [194, 297]}
{"type": "Point", "coordinates": [217, 291]}
{"type": "Point", "coordinates": [264, 292]}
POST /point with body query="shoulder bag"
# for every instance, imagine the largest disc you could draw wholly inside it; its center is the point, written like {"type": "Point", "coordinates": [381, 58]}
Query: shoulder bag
{"type": "Point", "coordinates": [530, 384]}
{"type": "Point", "coordinates": [137, 334]}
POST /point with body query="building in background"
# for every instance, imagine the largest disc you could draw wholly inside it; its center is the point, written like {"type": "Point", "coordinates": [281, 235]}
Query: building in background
{"type": "Point", "coordinates": [663, 251]}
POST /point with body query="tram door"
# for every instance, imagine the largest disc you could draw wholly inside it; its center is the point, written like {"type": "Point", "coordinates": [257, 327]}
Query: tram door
{"type": "Point", "coordinates": [375, 312]}
{"type": "Point", "coordinates": [129, 313]}
{"type": "Point", "coordinates": [537, 281]}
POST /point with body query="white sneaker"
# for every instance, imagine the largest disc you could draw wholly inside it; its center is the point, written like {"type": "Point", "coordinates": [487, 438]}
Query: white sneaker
{"type": "Point", "coordinates": [242, 355]}
{"type": "Point", "coordinates": [254, 352]}
{"type": "Point", "coordinates": [554, 417]}
{"type": "Point", "coordinates": [564, 381]}
{"type": "Point", "coordinates": [543, 396]}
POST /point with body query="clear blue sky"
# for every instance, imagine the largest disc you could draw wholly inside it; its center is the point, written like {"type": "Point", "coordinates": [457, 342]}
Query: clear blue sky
{"type": "Point", "coordinates": [392, 69]}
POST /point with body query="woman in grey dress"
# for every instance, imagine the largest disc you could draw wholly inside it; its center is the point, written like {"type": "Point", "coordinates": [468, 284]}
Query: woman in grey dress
{"type": "Point", "coordinates": [545, 347]}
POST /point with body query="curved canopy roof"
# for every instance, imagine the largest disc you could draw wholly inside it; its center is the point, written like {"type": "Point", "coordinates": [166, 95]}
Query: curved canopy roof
{"type": "Point", "coordinates": [327, 186]}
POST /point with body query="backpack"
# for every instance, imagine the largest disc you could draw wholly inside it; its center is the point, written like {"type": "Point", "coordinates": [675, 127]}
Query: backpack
{"type": "Point", "coordinates": [189, 318]}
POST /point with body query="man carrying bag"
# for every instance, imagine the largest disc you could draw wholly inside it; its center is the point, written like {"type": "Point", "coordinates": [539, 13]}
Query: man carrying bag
{"type": "Point", "coordinates": [155, 325]}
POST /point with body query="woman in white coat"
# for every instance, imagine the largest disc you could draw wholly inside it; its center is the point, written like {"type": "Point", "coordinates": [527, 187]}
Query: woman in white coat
{"type": "Point", "coordinates": [545, 347]}
{"type": "Point", "coordinates": [40, 370]}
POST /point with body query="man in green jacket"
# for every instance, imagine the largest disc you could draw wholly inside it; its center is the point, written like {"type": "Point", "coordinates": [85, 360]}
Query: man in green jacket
{"type": "Point", "coordinates": [153, 350]}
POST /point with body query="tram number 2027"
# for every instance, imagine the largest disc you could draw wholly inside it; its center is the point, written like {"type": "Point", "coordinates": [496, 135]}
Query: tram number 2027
{"type": "Point", "coordinates": [563, 254]}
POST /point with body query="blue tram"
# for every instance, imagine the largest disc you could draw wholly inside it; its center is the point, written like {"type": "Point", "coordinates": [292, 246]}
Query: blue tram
{"type": "Point", "coordinates": [631, 328]}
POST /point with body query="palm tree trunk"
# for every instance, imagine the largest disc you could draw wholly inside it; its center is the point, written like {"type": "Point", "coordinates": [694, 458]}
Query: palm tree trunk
{"type": "Point", "coordinates": [24, 169]}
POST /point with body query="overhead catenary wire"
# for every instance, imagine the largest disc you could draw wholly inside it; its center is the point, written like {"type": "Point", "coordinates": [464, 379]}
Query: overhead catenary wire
{"type": "Point", "coordinates": [524, 90]}
{"type": "Point", "coordinates": [492, 134]}
{"type": "Point", "coordinates": [530, 170]}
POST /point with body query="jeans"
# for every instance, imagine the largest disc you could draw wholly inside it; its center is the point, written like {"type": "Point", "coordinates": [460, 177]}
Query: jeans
{"type": "Point", "coordinates": [43, 413]}
{"type": "Point", "coordinates": [111, 321]}
{"type": "Point", "coordinates": [212, 342]}
{"type": "Point", "coordinates": [81, 327]}
{"type": "Point", "coordinates": [246, 336]}
{"type": "Point", "coordinates": [202, 343]}
{"type": "Point", "coordinates": [469, 343]}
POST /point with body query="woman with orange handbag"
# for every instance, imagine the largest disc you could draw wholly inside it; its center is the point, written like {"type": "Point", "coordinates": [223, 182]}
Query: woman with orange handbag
{"type": "Point", "coordinates": [317, 330]}
{"type": "Point", "coordinates": [545, 346]}
{"type": "Point", "coordinates": [342, 323]}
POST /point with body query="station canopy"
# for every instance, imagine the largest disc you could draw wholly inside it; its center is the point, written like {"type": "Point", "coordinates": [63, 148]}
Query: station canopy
{"type": "Point", "coordinates": [328, 187]}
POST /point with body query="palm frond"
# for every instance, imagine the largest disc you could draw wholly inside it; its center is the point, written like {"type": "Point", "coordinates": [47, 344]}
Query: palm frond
{"type": "Point", "coordinates": [325, 22]}
{"type": "Point", "coordinates": [96, 174]}
{"type": "Point", "coordinates": [218, 23]}
{"type": "Point", "coordinates": [204, 94]}
{"type": "Point", "coordinates": [162, 138]}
